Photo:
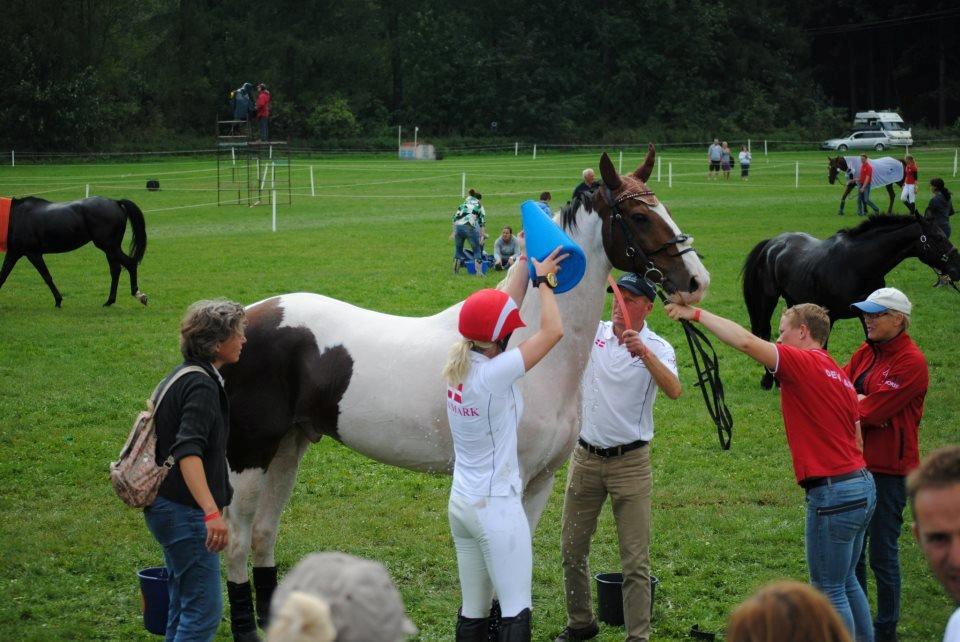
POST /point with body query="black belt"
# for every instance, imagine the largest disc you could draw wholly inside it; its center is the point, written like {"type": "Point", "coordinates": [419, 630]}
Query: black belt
{"type": "Point", "coordinates": [613, 451]}
{"type": "Point", "coordinates": [816, 482]}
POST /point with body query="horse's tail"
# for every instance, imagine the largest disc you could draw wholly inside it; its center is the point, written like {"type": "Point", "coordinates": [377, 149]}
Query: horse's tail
{"type": "Point", "coordinates": [753, 283]}
{"type": "Point", "coordinates": [138, 245]}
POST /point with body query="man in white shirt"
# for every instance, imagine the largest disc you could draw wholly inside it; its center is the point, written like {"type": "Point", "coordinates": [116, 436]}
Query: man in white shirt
{"type": "Point", "coordinates": [934, 493]}
{"type": "Point", "coordinates": [628, 363]}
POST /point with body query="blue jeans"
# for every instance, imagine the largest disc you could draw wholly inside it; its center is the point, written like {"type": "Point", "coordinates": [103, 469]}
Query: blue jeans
{"type": "Point", "coordinates": [883, 533]}
{"type": "Point", "coordinates": [196, 601]}
{"type": "Point", "coordinates": [863, 201]}
{"type": "Point", "coordinates": [466, 233]}
{"type": "Point", "coordinates": [837, 518]}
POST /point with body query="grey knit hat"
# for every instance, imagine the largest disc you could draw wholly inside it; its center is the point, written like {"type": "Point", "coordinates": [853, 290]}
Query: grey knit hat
{"type": "Point", "coordinates": [363, 602]}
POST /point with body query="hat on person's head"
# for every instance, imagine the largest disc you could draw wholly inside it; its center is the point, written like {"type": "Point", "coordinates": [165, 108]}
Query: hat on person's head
{"type": "Point", "coordinates": [885, 299]}
{"type": "Point", "coordinates": [636, 284]}
{"type": "Point", "coordinates": [489, 315]}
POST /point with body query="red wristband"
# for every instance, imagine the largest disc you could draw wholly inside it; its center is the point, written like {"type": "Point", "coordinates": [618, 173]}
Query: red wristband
{"type": "Point", "coordinates": [209, 517]}
{"type": "Point", "coordinates": [523, 257]}
{"type": "Point", "coordinates": [696, 315]}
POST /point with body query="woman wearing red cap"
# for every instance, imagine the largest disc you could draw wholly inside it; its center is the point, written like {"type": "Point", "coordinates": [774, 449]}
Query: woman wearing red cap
{"type": "Point", "coordinates": [489, 527]}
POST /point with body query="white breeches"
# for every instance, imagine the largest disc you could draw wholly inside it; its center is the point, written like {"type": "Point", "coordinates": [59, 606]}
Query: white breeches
{"type": "Point", "coordinates": [494, 553]}
{"type": "Point", "coordinates": [909, 194]}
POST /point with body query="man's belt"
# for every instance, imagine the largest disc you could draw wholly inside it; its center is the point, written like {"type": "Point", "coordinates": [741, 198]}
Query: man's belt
{"type": "Point", "coordinates": [816, 482]}
{"type": "Point", "coordinates": [613, 451]}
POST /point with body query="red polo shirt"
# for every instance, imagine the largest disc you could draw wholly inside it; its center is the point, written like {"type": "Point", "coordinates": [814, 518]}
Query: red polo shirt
{"type": "Point", "coordinates": [820, 412]}
{"type": "Point", "coordinates": [910, 174]}
{"type": "Point", "coordinates": [866, 173]}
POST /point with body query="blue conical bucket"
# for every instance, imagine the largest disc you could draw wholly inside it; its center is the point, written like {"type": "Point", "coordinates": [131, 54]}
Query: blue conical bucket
{"type": "Point", "coordinates": [156, 599]}
{"type": "Point", "coordinates": [543, 236]}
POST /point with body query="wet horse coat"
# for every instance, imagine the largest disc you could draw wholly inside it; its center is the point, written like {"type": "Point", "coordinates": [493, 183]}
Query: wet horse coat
{"type": "Point", "coordinates": [315, 366]}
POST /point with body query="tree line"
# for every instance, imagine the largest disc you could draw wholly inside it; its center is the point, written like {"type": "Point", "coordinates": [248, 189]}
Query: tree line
{"type": "Point", "coordinates": [90, 74]}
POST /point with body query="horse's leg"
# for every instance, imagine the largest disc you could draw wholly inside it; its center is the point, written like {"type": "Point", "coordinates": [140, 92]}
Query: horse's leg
{"type": "Point", "coordinates": [114, 264]}
{"type": "Point", "coordinates": [130, 265]}
{"type": "Point", "coordinates": [535, 497]}
{"type": "Point", "coordinates": [892, 198]}
{"type": "Point", "coordinates": [247, 486]}
{"type": "Point", "coordinates": [278, 485]}
{"type": "Point", "coordinates": [37, 261]}
{"type": "Point", "coordinates": [8, 262]}
{"type": "Point", "coordinates": [760, 326]}
{"type": "Point", "coordinates": [846, 193]}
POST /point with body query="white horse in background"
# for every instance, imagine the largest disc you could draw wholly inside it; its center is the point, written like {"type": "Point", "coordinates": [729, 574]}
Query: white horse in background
{"type": "Point", "coordinates": [315, 366]}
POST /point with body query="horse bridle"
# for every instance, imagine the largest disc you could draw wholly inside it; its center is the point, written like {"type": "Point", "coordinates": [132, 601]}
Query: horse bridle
{"type": "Point", "coordinates": [641, 260]}
{"type": "Point", "coordinates": [705, 360]}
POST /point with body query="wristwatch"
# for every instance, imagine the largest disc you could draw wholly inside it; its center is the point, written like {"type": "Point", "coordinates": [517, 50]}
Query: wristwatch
{"type": "Point", "coordinates": [549, 278]}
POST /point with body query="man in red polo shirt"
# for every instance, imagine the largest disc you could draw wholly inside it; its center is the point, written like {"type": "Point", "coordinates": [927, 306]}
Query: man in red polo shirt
{"type": "Point", "coordinates": [866, 179]}
{"type": "Point", "coordinates": [820, 416]}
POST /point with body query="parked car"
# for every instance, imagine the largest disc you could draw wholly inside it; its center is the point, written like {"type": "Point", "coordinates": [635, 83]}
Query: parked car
{"type": "Point", "coordinates": [888, 121]}
{"type": "Point", "coordinates": [871, 139]}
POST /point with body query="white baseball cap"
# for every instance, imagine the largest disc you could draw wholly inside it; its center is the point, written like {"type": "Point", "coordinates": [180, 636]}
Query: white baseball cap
{"type": "Point", "coordinates": [885, 299]}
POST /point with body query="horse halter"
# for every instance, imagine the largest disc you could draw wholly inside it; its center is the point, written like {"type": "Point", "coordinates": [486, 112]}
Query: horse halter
{"type": "Point", "coordinates": [633, 250]}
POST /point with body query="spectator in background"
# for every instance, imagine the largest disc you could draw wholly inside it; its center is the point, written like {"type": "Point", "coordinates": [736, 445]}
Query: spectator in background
{"type": "Point", "coordinates": [909, 193]}
{"type": "Point", "coordinates": [505, 250]}
{"type": "Point", "coordinates": [243, 103]}
{"type": "Point", "coordinates": [468, 225]}
{"type": "Point", "coordinates": [891, 376]}
{"type": "Point", "coordinates": [866, 179]}
{"type": "Point", "coordinates": [940, 208]}
{"type": "Point", "coordinates": [744, 157]}
{"type": "Point", "coordinates": [726, 160]}
{"type": "Point", "coordinates": [263, 111]}
{"type": "Point", "coordinates": [545, 201]}
{"type": "Point", "coordinates": [786, 612]}
{"type": "Point", "coordinates": [934, 493]}
{"type": "Point", "coordinates": [589, 184]}
{"type": "Point", "coordinates": [714, 156]}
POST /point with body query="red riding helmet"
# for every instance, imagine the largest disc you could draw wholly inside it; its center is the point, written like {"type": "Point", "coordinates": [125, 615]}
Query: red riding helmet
{"type": "Point", "coordinates": [489, 315]}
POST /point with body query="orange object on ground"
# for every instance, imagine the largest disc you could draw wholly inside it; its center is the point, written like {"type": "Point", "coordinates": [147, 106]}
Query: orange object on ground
{"type": "Point", "coordinates": [4, 221]}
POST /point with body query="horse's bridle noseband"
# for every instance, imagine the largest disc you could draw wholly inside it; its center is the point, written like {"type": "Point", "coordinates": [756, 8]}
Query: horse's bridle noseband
{"type": "Point", "coordinates": [642, 262]}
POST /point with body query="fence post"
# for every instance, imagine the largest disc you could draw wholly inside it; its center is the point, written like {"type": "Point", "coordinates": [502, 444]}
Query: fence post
{"type": "Point", "coordinates": [463, 185]}
{"type": "Point", "coordinates": [88, 190]}
{"type": "Point", "coordinates": [748, 145]}
{"type": "Point", "coordinates": [534, 151]}
{"type": "Point", "coordinates": [659, 165]}
{"type": "Point", "coordinates": [797, 180]}
{"type": "Point", "coordinates": [13, 160]}
{"type": "Point", "coordinates": [399, 141]}
{"type": "Point", "coordinates": [313, 190]}
{"type": "Point", "coordinates": [764, 146]}
{"type": "Point", "coordinates": [273, 198]}
{"type": "Point", "coordinates": [955, 162]}
{"type": "Point", "coordinates": [516, 149]}
{"type": "Point", "coordinates": [620, 166]}
{"type": "Point", "coordinates": [670, 174]}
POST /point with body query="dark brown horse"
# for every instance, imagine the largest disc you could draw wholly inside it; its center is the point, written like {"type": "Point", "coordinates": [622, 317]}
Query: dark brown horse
{"type": "Point", "coordinates": [39, 227]}
{"type": "Point", "coordinates": [839, 164]}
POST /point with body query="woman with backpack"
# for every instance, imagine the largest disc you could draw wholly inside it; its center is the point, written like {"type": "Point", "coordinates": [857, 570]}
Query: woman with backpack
{"type": "Point", "coordinates": [192, 424]}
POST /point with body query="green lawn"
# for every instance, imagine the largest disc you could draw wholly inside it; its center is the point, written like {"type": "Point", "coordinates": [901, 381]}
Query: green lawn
{"type": "Point", "coordinates": [375, 234]}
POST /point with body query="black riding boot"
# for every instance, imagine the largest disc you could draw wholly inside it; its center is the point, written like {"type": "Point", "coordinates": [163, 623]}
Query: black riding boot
{"type": "Point", "coordinates": [493, 631]}
{"type": "Point", "coordinates": [242, 624]}
{"type": "Point", "coordinates": [264, 582]}
{"type": "Point", "coordinates": [516, 628]}
{"type": "Point", "coordinates": [471, 629]}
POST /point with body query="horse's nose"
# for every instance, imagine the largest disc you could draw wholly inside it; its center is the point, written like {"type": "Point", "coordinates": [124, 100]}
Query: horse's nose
{"type": "Point", "coordinates": [694, 285]}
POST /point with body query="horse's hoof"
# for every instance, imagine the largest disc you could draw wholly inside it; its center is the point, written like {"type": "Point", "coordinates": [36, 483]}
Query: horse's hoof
{"type": "Point", "coordinates": [58, 302]}
{"type": "Point", "coordinates": [141, 297]}
{"type": "Point", "coordinates": [109, 302]}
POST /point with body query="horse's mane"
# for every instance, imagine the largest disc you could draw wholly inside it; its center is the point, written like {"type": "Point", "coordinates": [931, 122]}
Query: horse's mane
{"type": "Point", "coordinates": [877, 221]}
{"type": "Point", "coordinates": [568, 213]}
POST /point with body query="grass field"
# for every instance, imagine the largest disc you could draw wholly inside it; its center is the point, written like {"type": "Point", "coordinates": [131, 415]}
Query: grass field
{"type": "Point", "coordinates": [375, 234]}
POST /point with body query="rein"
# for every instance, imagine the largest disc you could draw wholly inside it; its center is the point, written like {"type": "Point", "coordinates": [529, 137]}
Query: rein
{"type": "Point", "coordinates": [705, 360]}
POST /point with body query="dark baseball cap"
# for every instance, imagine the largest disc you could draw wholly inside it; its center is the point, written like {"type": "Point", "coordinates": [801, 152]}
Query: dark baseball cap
{"type": "Point", "coordinates": [636, 284]}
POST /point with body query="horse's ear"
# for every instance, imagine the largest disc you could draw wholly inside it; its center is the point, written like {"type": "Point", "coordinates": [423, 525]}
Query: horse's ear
{"type": "Point", "coordinates": [609, 174]}
{"type": "Point", "coordinates": [643, 172]}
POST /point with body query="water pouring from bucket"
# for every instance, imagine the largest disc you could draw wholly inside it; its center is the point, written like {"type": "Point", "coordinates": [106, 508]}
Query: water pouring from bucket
{"type": "Point", "coordinates": [542, 237]}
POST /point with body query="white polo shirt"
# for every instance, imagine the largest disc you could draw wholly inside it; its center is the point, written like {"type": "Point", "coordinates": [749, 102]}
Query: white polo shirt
{"type": "Point", "coordinates": [618, 390]}
{"type": "Point", "coordinates": [484, 412]}
{"type": "Point", "coordinates": [952, 634]}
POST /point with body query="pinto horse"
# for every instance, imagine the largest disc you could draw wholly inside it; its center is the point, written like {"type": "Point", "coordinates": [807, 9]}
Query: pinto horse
{"type": "Point", "coordinates": [840, 270]}
{"type": "Point", "coordinates": [840, 164]}
{"type": "Point", "coordinates": [39, 227]}
{"type": "Point", "coordinates": [314, 366]}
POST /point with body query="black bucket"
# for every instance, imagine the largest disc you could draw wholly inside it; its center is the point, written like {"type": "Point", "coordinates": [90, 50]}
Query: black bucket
{"type": "Point", "coordinates": [610, 597]}
{"type": "Point", "coordinates": [156, 600]}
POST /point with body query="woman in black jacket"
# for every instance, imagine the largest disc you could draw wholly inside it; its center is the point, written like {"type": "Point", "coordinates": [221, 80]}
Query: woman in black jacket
{"type": "Point", "coordinates": [939, 210]}
{"type": "Point", "coordinates": [193, 425]}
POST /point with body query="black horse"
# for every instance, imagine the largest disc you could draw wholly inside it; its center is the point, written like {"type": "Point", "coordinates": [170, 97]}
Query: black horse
{"type": "Point", "coordinates": [39, 227]}
{"type": "Point", "coordinates": [840, 270]}
{"type": "Point", "coordinates": [839, 164]}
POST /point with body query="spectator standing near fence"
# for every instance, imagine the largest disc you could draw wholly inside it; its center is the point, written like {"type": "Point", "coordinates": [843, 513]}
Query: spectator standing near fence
{"type": "Point", "coordinates": [726, 160]}
{"type": "Point", "coordinates": [745, 158]}
{"type": "Point", "coordinates": [714, 156]}
{"type": "Point", "coordinates": [263, 111]}
{"type": "Point", "coordinates": [934, 493]}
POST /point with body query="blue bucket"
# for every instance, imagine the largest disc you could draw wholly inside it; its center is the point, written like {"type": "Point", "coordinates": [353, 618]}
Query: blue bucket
{"type": "Point", "coordinates": [156, 599]}
{"type": "Point", "coordinates": [472, 267]}
{"type": "Point", "coordinates": [543, 236]}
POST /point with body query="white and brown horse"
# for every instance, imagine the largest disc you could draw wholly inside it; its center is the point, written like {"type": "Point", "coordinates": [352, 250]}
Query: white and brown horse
{"type": "Point", "coordinates": [315, 366]}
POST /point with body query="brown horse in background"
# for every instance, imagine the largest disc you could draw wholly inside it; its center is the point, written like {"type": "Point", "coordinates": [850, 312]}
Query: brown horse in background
{"type": "Point", "coordinates": [839, 164]}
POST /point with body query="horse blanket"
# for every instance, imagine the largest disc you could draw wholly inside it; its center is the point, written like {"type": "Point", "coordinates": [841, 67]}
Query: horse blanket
{"type": "Point", "coordinates": [886, 170]}
{"type": "Point", "coordinates": [4, 221]}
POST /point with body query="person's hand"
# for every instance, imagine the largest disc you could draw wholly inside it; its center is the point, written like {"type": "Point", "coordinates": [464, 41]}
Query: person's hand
{"type": "Point", "coordinates": [633, 343]}
{"type": "Point", "coordinates": [216, 534]}
{"type": "Point", "coordinates": [549, 264]}
{"type": "Point", "coordinates": [678, 311]}
{"type": "Point", "coordinates": [522, 242]}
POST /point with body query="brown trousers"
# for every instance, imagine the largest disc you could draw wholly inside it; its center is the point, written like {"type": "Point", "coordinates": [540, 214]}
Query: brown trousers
{"type": "Point", "coordinates": [627, 479]}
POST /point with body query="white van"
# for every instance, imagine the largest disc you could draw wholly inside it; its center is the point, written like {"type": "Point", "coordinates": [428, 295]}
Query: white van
{"type": "Point", "coordinates": [889, 122]}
